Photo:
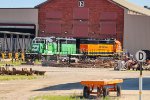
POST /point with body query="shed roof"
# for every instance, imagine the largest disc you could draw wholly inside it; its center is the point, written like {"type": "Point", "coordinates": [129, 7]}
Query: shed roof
{"type": "Point", "coordinates": [123, 3]}
{"type": "Point", "coordinates": [132, 7]}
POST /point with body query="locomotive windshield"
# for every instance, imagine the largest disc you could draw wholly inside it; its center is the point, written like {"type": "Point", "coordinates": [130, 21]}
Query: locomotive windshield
{"type": "Point", "coordinates": [36, 41]}
{"type": "Point", "coordinates": [42, 40]}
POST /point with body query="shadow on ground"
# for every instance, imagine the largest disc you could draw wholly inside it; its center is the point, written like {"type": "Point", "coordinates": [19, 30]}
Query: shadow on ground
{"type": "Point", "coordinates": [128, 84]}
{"type": "Point", "coordinates": [133, 84]}
{"type": "Point", "coordinates": [67, 86]}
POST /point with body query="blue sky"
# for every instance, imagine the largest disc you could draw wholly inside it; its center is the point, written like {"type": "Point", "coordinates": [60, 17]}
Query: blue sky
{"type": "Point", "coordinates": [32, 3]}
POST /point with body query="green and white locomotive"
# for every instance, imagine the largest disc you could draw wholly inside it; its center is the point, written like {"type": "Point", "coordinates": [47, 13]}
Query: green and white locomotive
{"type": "Point", "coordinates": [49, 46]}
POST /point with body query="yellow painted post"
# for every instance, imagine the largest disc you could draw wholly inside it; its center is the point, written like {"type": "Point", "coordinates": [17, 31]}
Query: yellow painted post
{"type": "Point", "coordinates": [22, 56]}
{"type": "Point", "coordinates": [3, 55]}
{"type": "Point", "coordinates": [16, 56]}
{"type": "Point", "coordinates": [10, 55]}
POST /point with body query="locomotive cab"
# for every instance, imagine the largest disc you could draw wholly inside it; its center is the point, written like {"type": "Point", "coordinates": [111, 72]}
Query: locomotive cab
{"type": "Point", "coordinates": [40, 46]}
{"type": "Point", "coordinates": [37, 46]}
{"type": "Point", "coordinates": [118, 47]}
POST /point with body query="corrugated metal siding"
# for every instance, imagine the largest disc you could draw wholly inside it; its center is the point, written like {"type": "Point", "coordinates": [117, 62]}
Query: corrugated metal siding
{"type": "Point", "coordinates": [136, 33]}
{"type": "Point", "coordinates": [19, 16]}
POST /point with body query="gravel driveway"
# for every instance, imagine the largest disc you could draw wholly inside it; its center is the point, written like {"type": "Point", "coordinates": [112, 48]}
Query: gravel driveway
{"type": "Point", "coordinates": [65, 81]}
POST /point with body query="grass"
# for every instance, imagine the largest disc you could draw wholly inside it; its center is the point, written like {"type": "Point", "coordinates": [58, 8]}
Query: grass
{"type": "Point", "coordinates": [37, 62]}
{"type": "Point", "coordinates": [16, 63]}
{"type": "Point", "coordinates": [17, 77]}
{"type": "Point", "coordinates": [50, 97]}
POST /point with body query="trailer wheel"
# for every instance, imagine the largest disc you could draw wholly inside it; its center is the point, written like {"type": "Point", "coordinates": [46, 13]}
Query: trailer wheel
{"type": "Point", "coordinates": [105, 92]}
{"type": "Point", "coordinates": [118, 88]}
{"type": "Point", "coordinates": [86, 92]}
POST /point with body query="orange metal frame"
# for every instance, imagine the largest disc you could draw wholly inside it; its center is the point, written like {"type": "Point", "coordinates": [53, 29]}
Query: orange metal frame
{"type": "Point", "coordinates": [100, 84]}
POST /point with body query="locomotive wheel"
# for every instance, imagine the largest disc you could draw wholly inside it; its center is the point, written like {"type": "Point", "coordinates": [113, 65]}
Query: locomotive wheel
{"type": "Point", "coordinates": [105, 92]}
{"type": "Point", "coordinates": [99, 91]}
{"type": "Point", "coordinates": [118, 88]}
{"type": "Point", "coordinates": [43, 58]}
{"type": "Point", "coordinates": [86, 92]}
{"type": "Point", "coordinates": [115, 68]}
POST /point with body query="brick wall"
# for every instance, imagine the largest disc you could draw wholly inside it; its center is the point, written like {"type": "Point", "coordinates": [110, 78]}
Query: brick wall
{"type": "Point", "coordinates": [95, 10]}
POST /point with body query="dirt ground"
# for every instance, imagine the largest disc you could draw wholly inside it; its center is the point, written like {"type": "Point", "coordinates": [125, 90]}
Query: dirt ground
{"type": "Point", "coordinates": [65, 81]}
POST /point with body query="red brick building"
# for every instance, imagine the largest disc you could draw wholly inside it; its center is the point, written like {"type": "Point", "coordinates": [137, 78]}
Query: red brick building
{"type": "Point", "coordinates": [81, 19]}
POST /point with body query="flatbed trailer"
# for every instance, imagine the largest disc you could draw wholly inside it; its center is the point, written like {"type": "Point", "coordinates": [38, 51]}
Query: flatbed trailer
{"type": "Point", "coordinates": [103, 87]}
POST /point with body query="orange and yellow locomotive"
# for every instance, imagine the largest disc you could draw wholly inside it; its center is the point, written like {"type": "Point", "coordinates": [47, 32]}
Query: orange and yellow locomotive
{"type": "Point", "coordinates": [108, 47]}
